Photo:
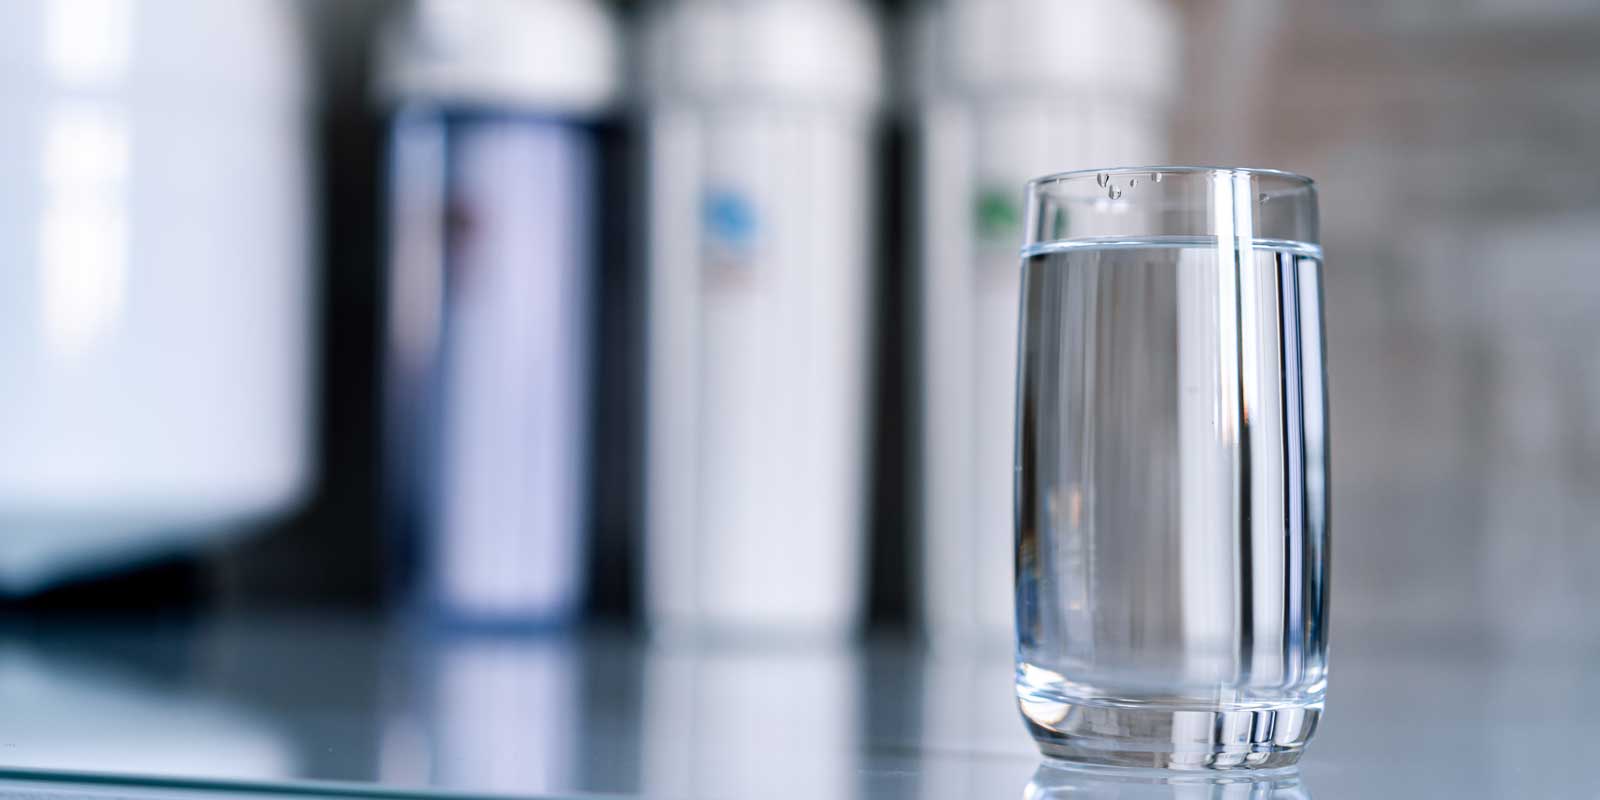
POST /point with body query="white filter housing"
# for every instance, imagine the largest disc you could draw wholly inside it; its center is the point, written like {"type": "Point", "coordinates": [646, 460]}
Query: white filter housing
{"type": "Point", "coordinates": [154, 281]}
{"type": "Point", "coordinates": [553, 56]}
{"type": "Point", "coordinates": [760, 118]}
{"type": "Point", "coordinates": [1007, 90]}
{"type": "Point", "coordinates": [491, 322]}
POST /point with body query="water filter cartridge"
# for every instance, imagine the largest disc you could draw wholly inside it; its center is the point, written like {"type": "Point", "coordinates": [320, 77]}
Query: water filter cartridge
{"type": "Point", "coordinates": [1001, 98]}
{"type": "Point", "coordinates": [760, 126]}
{"type": "Point", "coordinates": [491, 307]}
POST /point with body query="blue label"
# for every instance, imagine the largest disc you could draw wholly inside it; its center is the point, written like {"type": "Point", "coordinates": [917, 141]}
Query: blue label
{"type": "Point", "coordinates": [730, 219]}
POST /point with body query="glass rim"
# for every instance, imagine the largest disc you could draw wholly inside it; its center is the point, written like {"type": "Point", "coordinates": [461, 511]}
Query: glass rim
{"type": "Point", "coordinates": [1056, 177]}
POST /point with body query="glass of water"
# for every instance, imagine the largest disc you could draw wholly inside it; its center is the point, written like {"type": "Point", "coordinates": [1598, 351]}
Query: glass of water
{"type": "Point", "coordinates": [1172, 468]}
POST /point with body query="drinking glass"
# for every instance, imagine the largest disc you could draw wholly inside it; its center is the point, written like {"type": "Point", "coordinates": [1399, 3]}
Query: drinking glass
{"type": "Point", "coordinates": [1172, 468]}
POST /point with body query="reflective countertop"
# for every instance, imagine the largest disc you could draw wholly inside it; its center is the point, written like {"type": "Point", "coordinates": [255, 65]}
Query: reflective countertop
{"type": "Point", "coordinates": [346, 706]}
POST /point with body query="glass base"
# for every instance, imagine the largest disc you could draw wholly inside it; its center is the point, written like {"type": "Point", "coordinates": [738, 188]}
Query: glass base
{"type": "Point", "coordinates": [1258, 739]}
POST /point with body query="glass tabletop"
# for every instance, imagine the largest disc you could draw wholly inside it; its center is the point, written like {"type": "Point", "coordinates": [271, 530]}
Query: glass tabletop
{"type": "Point", "coordinates": [350, 706]}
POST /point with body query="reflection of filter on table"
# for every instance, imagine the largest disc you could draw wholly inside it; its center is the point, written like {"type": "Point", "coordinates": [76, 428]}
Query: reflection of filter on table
{"type": "Point", "coordinates": [1004, 98]}
{"type": "Point", "coordinates": [503, 717]}
{"type": "Point", "coordinates": [730, 722]}
{"type": "Point", "coordinates": [66, 714]}
{"type": "Point", "coordinates": [153, 279]}
{"type": "Point", "coordinates": [967, 694]}
{"type": "Point", "coordinates": [490, 306]}
{"type": "Point", "coordinates": [760, 130]}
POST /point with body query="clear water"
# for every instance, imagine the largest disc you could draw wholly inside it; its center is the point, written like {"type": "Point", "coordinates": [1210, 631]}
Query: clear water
{"type": "Point", "coordinates": [1172, 476]}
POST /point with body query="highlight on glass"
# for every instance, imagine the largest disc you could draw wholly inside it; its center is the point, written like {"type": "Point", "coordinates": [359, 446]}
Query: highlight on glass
{"type": "Point", "coordinates": [1172, 468]}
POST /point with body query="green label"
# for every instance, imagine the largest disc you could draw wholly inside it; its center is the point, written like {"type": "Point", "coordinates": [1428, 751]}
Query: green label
{"type": "Point", "coordinates": [998, 217]}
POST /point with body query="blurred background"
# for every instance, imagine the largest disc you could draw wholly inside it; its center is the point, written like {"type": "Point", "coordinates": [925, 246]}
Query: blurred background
{"type": "Point", "coordinates": [265, 333]}
{"type": "Point", "coordinates": [698, 317]}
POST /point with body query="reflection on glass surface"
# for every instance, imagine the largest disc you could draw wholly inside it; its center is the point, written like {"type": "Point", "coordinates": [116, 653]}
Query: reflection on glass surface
{"type": "Point", "coordinates": [396, 711]}
{"type": "Point", "coordinates": [967, 704]}
{"type": "Point", "coordinates": [82, 715]}
{"type": "Point", "coordinates": [1055, 781]}
{"type": "Point", "coordinates": [738, 722]}
{"type": "Point", "coordinates": [497, 715]}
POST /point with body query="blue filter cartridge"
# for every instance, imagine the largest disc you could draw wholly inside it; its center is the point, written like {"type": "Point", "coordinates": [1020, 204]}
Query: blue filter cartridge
{"type": "Point", "coordinates": [490, 303]}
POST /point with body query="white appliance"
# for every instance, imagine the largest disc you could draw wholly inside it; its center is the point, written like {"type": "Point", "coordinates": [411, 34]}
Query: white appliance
{"type": "Point", "coordinates": [1006, 90]}
{"type": "Point", "coordinates": [491, 308]}
{"type": "Point", "coordinates": [760, 118]}
{"type": "Point", "coordinates": [154, 292]}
